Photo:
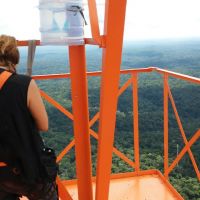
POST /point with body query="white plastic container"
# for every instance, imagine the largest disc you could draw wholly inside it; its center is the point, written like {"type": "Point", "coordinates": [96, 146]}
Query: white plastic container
{"type": "Point", "coordinates": [61, 22]}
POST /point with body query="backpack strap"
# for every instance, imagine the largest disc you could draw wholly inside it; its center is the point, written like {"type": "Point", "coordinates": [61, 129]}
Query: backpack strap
{"type": "Point", "coordinates": [4, 77]}
{"type": "Point", "coordinates": [2, 164]}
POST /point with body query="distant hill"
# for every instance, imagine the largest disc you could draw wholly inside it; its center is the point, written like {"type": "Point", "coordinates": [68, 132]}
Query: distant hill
{"type": "Point", "coordinates": [181, 56]}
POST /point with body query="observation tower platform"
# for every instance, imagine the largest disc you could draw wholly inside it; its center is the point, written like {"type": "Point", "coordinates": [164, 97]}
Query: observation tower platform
{"type": "Point", "coordinates": [149, 185]}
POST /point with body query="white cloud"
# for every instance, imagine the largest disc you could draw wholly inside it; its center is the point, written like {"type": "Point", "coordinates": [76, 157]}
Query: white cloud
{"type": "Point", "coordinates": [162, 19]}
{"type": "Point", "coordinates": [144, 18]}
{"type": "Point", "coordinates": [20, 18]}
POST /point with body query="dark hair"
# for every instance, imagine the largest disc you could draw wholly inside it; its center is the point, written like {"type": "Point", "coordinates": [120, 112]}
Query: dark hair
{"type": "Point", "coordinates": [9, 53]}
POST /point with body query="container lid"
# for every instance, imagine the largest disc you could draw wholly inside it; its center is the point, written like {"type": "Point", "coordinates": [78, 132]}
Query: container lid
{"type": "Point", "coordinates": [60, 1]}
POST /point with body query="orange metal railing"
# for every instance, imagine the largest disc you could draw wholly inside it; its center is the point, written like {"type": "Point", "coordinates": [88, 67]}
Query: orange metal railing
{"type": "Point", "coordinates": [133, 80]}
{"type": "Point", "coordinates": [188, 144]}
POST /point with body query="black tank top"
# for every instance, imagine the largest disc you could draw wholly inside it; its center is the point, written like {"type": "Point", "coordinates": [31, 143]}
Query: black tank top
{"type": "Point", "coordinates": [18, 133]}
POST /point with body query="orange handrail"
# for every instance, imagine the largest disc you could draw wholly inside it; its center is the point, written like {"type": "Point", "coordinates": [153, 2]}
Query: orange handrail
{"type": "Point", "coordinates": [94, 73]}
{"type": "Point", "coordinates": [133, 81]}
{"type": "Point", "coordinates": [91, 41]}
{"type": "Point", "coordinates": [190, 79]}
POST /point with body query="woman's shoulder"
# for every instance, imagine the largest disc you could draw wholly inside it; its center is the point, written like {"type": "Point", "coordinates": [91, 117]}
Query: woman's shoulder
{"type": "Point", "coordinates": [20, 80]}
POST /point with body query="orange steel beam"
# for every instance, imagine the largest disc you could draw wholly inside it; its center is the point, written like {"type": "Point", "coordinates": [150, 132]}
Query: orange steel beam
{"type": "Point", "coordinates": [166, 131]}
{"type": "Point", "coordinates": [179, 76]}
{"type": "Point", "coordinates": [124, 86]}
{"type": "Point", "coordinates": [81, 121]}
{"type": "Point", "coordinates": [167, 183]}
{"type": "Point", "coordinates": [65, 151]}
{"type": "Point", "coordinates": [63, 193]}
{"type": "Point", "coordinates": [90, 41]}
{"type": "Point", "coordinates": [124, 158]}
{"type": "Point", "coordinates": [135, 122]}
{"type": "Point", "coordinates": [121, 90]}
{"type": "Point", "coordinates": [56, 104]}
{"type": "Point", "coordinates": [117, 152]}
{"type": "Point", "coordinates": [114, 9]}
{"type": "Point", "coordinates": [94, 21]}
{"type": "Point", "coordinates": [26, 43]}
{"type": "Point", "coordinates": [95, 73]}
{"type": "Point", "coordinates": [51, 76]}
{"type": "Point", "coordinates": [183, 151]}
{"type": "Point", "coordinates": [94, 119]}
{"type": "Point", "coordinates": [183, 133]}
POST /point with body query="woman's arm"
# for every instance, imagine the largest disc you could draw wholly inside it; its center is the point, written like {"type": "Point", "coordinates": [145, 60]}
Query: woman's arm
{"type": "Point", "coordinates": [36, 107]}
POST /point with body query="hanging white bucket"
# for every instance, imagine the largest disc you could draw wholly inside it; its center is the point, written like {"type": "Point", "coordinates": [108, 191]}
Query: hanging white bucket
{"type": "Point", "coordinates": [61, 22]}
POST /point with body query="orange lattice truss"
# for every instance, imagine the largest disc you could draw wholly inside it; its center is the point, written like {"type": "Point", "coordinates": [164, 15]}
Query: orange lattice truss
{"type": "Point", "coordinates": [138, 185]}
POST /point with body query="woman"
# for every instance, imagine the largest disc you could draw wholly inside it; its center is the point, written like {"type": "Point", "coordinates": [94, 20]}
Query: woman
{"type": "Point", "coordinates": [22, 116]}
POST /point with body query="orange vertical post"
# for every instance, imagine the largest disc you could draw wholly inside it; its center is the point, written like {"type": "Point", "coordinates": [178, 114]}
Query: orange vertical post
{"type": "Point", "coordinates": [166, 124]}
{"type": "Point", "coordinates": [81, 121]}
{"type": "Point", "coordinates": [136, 122]}
{"type": "Point", "coordinates": [113, 31]}
{"type": "Point", "coordinates": [94, 21]}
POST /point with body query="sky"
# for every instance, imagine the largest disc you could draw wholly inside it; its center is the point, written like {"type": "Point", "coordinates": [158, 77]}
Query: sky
{"type": "Point", "coordinates": [145, 19]}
